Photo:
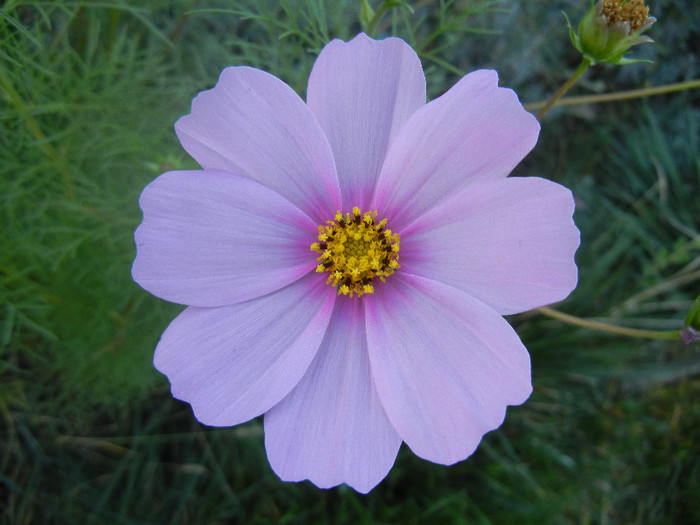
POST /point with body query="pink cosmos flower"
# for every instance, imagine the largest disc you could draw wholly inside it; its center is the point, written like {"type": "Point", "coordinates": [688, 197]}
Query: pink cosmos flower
{"type": "Point", "coordinates": [346, 262]}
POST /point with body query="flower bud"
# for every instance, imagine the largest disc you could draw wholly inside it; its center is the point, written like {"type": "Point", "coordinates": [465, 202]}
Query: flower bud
{"type": "Point", "coordinates": [691, 333]}
{"type": "Point", "coordinates": [610, 28]}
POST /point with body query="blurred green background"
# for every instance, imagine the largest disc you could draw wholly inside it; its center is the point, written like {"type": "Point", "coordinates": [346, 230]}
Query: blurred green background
{"type": "Point", "coordinates": [89, 92]}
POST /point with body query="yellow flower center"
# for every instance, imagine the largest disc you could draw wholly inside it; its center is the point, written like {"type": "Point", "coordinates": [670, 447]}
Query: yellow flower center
{"type": "Point", "coordinates": [634, 12]}
{"type": "Point", "coordinates": [355, 249]}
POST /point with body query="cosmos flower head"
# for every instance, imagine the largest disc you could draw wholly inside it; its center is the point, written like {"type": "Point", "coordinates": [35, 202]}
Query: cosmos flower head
{"type": "Point", "coordinates": [610, 28]}
{"type": "Point", "coordinates": [346, 262]}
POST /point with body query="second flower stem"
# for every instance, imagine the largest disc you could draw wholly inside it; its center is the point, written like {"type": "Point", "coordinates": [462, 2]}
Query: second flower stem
{"type": "Point", "coordinates": [585, 64]}
{"type": "Point", "coordinates": [604, 327]}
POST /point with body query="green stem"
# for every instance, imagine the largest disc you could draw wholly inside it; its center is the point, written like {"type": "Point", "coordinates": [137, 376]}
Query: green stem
{"type": "Point", "coordinates": [372, 25]}
{"type": "Point", "coordinates": [603, 327]}
{"type": "Point", "coordinates": [621, 95]}
{"type": "Point", "coordinates": [180, 24]}
{"type": "Point", "coordinates": [585, 64]}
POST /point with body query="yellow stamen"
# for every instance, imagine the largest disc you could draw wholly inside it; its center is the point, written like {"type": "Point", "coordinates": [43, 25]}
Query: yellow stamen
{"type": "Point", "coordinates": [634, 12]}
{"type": "Point", "coordinates": [354, 249]}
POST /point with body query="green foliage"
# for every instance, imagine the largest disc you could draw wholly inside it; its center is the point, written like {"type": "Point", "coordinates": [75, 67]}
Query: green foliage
{"type": "Point", "coordinates": [84, 95]}
{"type": "Point", "coordinates": [88, 95]}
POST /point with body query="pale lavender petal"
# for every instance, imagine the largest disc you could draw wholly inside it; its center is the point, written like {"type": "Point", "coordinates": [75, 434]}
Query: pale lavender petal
{"type": "Point", "coordinates": [444, 364]}
{"type": "Point", "coordinates": [211, 238]}
{"type": "Point", "coordinates": [233, 363]}
{"type": "Point", "coordinates": [254, 124]}
{"type": "Point", "coordinates": [362, 92]}
{"type": "Point", "coordinates": [475, 131]}
{"type": "Point", "coordinates": [510, 243]}
{"type": "Point", "coordinates": [331, 428]}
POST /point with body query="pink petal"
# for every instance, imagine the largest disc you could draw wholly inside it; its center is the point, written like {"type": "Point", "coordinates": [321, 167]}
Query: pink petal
{"type": "Point", "coordinates": [362, 92]}
{"type": "Point", "coordinates": [444, 364]}
{"type": "Point", "coordinates": [331, 428]}
{"type": "Point", "coordinates": [509, 243]}
{"type": "Point", "coordinates": [475, 131]}
{"type": "Point", "coordinates": [211, 238]}
{"type": "Point", "coordinates": [233, 363]}
{"type": "Point", "coordinates": [252, 123]}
